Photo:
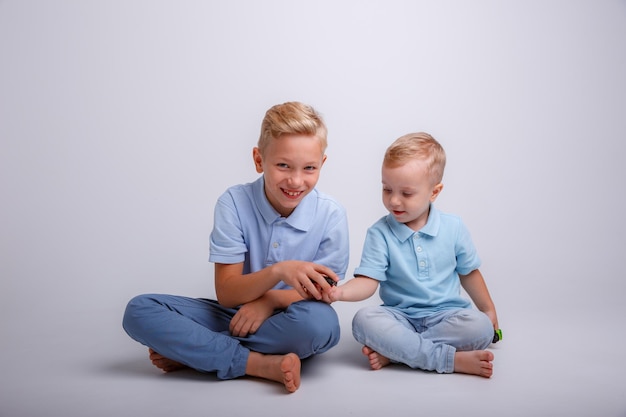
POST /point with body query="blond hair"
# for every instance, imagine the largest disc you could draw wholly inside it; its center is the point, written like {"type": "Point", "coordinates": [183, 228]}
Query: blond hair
{"type": "Point", "coordinates": [420, 146]}
{"type": "Point", "coordinates": [292, 118]}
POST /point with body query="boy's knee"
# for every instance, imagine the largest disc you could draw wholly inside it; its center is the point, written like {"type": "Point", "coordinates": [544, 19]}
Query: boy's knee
{"type": "Point", "coordinates": [364, 315]}
{"type": "Point", "coordinates": [325, 322]}
{"type": "Point", "coordinates": [478, 329]}
{"type": "Point", "coordinates": [483, 325]}
{"type": "Point", "coordinates": [138, 303]}
{"type": "Point", "coordinates": [314, 311]}
{"type": "Point", "coordinates": [321, 322]}
{"type": "Point", "coordinates": [362, 322]}
{"type": "Point", "coordinates": [135, 310]}
{"type": "Point", "coordinates": [488, 331]}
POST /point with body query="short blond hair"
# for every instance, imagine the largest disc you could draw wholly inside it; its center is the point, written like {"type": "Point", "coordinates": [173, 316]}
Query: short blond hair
{"type": "Point", "coordinates": [420, 146]}
{"type": "Point", "coordinates": [292, 118]}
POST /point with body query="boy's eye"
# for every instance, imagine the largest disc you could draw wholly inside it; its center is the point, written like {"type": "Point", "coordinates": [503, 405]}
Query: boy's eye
{"type": "Point", "coordinates": [407, 194]}
{"type": "Point", "coordinates": [310, 168]}
{"type": "Point", "coordinates": [282, 165]}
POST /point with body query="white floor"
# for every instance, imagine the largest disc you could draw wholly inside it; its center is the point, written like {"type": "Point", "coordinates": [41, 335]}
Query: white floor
{"type": "Point", "coordinates": [87, 366]}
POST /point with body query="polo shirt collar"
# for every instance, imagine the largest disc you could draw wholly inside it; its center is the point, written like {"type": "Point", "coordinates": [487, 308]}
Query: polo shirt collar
{"type": "Point", "coordinates": [432, 225]}
{"type": "Point", "coordinates": [404, 232]}
{"type": "Point", "coordinates": [301, 218]}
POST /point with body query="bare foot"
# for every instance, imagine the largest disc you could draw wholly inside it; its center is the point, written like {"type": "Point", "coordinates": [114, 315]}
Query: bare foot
{"type": "Point", "coordinates": [474, 362]}
{"type": "Point", "coordinates": [163, 363]}
{"type": "Point", "coordinates": [377, 361]}
{"type": "Point", "coordinates": [280, 368]}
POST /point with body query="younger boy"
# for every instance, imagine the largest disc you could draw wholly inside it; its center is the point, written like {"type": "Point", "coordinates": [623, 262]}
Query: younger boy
{"type": "Point", "coordinates": [419, 256]}
{"type": "Point", "coordinates": [273, 241]}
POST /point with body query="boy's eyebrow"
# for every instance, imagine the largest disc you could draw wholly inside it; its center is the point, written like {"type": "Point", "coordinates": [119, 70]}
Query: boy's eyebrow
{"type": "Point", "coordinates": [402, 188]}
{"type": "Point", "coordinates": [288, 160]}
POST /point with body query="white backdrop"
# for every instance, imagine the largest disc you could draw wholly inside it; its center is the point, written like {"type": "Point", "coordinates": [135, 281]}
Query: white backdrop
{"type": "Point", "coordinates": [121, 122]}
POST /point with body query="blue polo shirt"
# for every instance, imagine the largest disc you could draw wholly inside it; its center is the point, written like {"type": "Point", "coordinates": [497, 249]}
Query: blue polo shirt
{"type": "Point", "coordinates": [419, 271]}
{"type": "Point", "coordinates": [247, 229]}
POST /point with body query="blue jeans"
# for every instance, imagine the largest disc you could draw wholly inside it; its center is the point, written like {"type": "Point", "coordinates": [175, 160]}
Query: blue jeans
{"type": "Point", "coordinates": [427, 343]}
{"type": "Point", "coordinates": [195, 332]}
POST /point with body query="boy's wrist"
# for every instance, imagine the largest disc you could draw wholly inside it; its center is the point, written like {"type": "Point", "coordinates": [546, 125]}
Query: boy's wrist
{"type": "Point", "coordinates": [281, 299]}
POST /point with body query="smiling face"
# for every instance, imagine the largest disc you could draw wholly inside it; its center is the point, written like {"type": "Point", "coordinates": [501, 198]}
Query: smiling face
{"type": "Point", "coordinates": [291, 167]}
{"type": "Point", "coordinates": [408, 191]}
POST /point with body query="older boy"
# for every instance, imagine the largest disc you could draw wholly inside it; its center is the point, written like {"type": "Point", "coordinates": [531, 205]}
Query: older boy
{"type": "Point", "coordinates": [419, 256]}
{"type": "Point", "coordinates": [272, 243]}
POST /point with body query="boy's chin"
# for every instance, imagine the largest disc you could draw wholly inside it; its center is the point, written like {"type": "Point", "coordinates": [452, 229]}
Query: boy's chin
{"type": "Point", "coordinates": [289, 205]}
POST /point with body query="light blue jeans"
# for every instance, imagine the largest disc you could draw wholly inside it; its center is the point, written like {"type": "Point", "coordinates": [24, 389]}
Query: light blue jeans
{"type": "Point", "coordinates": [427, 343]}
{"type": "Point", "coordinates": [194, 332]}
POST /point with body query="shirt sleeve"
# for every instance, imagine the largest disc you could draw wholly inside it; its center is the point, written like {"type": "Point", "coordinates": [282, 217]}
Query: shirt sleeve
{"type": "Point", "coordinates": [466, 254]}
{"type": "Point", "coordinates": [375, 256]}
{"type": "Point", "coordinates": [227, 244]}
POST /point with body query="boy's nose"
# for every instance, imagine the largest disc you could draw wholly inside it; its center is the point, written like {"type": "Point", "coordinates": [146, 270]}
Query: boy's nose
{"type": "Point", "coordinates": [295, 179]}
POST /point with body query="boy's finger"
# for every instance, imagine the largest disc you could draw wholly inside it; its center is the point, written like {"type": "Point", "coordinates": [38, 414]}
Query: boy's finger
{"type": "Point", "coordinates": [331, 280]}
{"type": "Point", "coordinates": [309, 290]}
{"type": "Point", "coordinates": [324, 278]}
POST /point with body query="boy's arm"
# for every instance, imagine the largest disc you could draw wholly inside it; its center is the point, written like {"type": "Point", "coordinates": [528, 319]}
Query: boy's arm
{"type": "Point", "coordinates": [252, 315]}
{"type": "Point", "coordinates": [474, 285]}
{"type": "Point", "coordinates": [357, 289]}
{"type": "Point", "coordinates": [233, 288]}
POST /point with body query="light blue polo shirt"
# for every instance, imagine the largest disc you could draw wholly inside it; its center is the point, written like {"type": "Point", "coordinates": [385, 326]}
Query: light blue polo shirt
{"type": "Point", "coordinates": [419, 271]}
{"type": "Point", "coordinates": [247, 229]}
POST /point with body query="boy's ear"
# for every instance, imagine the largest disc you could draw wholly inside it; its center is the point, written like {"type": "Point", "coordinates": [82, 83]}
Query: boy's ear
{"type": "Point", "coordinates": [323, 159]}
{"type": "Point", "coordinates": [436, 191]}
{"type": "Point", "coordinates": [258, 160]}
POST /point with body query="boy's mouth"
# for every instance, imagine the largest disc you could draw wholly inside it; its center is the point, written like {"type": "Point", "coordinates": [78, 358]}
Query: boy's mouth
{"type": "Point", "coordinates": [292, 194]}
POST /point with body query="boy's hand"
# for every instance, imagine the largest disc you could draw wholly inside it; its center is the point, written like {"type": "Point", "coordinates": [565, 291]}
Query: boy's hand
{"type": "Point", "coordinates": [334, 294]}
{"type": "Point", "coordinates": [249, 317]}
{"type": "Point", "coordinates": [327, 296]}
{"type": "Point", "coordinates": [493, 317]}
{"type": "Point", "coordinates": [307, 278]}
